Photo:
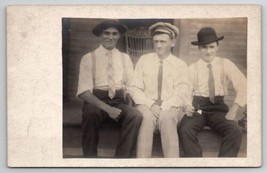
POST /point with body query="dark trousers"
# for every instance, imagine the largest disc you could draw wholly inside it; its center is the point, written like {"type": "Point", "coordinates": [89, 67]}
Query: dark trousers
{"type": "Point", "coordinates": [130, 120]}
{"type": "Point", "coordinates": [213, 115]}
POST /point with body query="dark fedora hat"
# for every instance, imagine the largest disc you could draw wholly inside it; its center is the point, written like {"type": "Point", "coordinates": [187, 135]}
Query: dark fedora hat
{"type": "Point", "coordinates": [99, 28]}
{"type": "Point", "coordinates": [206, 35]}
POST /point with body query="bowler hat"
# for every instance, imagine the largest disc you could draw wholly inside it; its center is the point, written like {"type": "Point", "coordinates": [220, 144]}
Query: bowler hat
{"type": "Point", "coordinates": [99, 28]}
{"type": "Point", "coordinates": [205, 36]}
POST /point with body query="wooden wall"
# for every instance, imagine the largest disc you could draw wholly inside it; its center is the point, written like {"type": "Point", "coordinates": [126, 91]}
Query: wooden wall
{"type": "Point", "coordinates": [78, 39]}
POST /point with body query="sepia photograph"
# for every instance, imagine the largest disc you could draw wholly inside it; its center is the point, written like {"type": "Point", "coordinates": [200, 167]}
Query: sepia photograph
{"type": "Point", "coordinates": [172, 114]}
{"type": "Point", "coordinates": [105, 86]}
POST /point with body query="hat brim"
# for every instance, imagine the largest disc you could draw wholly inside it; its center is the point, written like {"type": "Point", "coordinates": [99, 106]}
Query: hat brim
{"type": "Point", "coordinates": [196, 43]}
{"type": "Point", "coordinates": [98, 29]}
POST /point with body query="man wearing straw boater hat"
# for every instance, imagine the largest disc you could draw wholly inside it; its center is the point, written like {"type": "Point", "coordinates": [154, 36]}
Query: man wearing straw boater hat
{"type": "Point", "coordinates": [209, 78]}
{"type": "Point", "coordinates": [160, 88]}
{"type": "Point", "coordinates": [104, 75]}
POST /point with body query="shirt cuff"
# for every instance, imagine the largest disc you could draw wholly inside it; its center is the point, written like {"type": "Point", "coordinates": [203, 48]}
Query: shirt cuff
{"type": "Point", "coordinates": [240, 102]}
{"type": "Point", "coordinates": [80, 91]}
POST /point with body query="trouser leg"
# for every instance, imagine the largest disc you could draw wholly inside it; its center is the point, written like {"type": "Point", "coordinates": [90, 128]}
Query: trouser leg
{"type": "Point", "coordinates": [188, 131]}
{"type": "Point", "coordinates": [91, 119]}
{"type": "Point", "coordinates": [168, 121]}
{"type": "Point", "coordinates": [230, 131]}
{"type": "Point", "coordinates": [145, 136]}
{"type": "Point", "coordinates": [131, 120]}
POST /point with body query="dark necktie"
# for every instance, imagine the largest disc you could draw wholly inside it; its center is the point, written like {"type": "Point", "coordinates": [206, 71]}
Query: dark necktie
{"type": "Point", "coordinates": [211, 84]}
{"type": "Point", "coordinates": [160, 75]}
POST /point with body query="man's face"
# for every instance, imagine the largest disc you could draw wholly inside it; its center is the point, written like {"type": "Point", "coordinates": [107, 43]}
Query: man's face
{"type": "Point", "coordinates": [209, 51]}
{"type": "Point", "coordinates": [109, 38]}
{"type": "Point", "coordinates": [163, 44]}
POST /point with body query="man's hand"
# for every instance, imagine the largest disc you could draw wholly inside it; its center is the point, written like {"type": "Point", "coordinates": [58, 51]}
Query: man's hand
{"type": "Point", "coordinates": [156, 109]}
{"type": "Point", "coordinates": [92, 99]}
{"type": "Point", "coordinates": [113, 112]}
{"type": "Point", "coordinates": [231, 114]}
{"type": "Point", "coordinates": [189, 110]}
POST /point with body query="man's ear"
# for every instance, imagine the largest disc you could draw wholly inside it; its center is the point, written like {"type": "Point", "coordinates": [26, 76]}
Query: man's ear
{"type": "Point", "coordinates": [173, 42]}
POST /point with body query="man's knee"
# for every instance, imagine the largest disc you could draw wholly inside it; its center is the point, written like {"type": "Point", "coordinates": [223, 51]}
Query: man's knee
{"type": "Point", "coordinates": [235, 131]}
{"type": "Point", "coordinates": [89, 109]}
{"type": "Point", "coordinates": [91, 115]}
{"type": "Point", "coordinates": [148, 118]}
{"type": "Point", "coordinates": [168, 120]}
{"type": "Point", "coordinates": [185, 129]}
{"type": "Point", "coordinates": [145, 112]}
{"type": "Point", "coordinates": [135, 115]}
{"type": "Point", "coordinates": [169, 117]}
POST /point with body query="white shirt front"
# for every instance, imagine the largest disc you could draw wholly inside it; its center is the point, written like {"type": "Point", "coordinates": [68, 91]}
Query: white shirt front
{"type": "Point", "coordinates": [86, 82]}
{"type": "Point", "coordinates": [224, 71]}
{"type": "Point", "coordinates": [144, 85]}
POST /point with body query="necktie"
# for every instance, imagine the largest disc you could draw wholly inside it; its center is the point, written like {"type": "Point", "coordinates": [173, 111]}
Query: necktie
{"type": "Point", "coordinates": [110, 73]}
{"type": "Point", "coordinates": [160, 75]}
{"type": "Point", "coordinates": [211, 84]}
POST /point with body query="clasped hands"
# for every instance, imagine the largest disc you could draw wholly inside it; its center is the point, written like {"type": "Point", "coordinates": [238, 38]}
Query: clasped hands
{"type": "Point", "coordinates": [156, 109]}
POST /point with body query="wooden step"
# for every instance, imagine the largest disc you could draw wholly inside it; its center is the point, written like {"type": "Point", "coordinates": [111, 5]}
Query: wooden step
{"type": "Point", "coordinates": [109, 136]}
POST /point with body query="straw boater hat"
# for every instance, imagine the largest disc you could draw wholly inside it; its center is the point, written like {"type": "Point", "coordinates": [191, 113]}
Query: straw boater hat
{"type": "Point", "coordinates": [162, 27]}
{"type": "Point", "coordinates": [99, 28]}
{"type": "Point", "coordinates": [206, 35]}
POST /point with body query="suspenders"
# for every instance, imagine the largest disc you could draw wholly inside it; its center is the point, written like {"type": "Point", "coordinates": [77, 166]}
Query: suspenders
{"type": "Point", "coordinates": [93, 66]}
{"type": "Point", "coordinates": [124, 77]}
{"type": "Point", "coordinates": [196, 79]}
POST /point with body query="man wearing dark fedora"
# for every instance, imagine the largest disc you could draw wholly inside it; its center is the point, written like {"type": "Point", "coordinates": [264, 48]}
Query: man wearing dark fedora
{"type": "Point", "coordinates": [103, 78]}
{"type": "Point", "coordinates": [209, 78]}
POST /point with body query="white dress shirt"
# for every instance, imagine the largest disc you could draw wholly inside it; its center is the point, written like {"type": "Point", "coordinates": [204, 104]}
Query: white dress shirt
{"type": "Point", "coordinates": [224, 71]}
{"type": "Point", "coordinates": [86, 83]}
{"type": "Point", "coordinates": [144, 85]}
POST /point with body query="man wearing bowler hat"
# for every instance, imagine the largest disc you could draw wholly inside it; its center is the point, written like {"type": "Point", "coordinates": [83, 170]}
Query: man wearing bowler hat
{"type": "Point", "coordinates": [209, 78]}
{"type": "Point", "coordinates": [104, 75]}
{"type": "Point", "coordinates": [160, 89]}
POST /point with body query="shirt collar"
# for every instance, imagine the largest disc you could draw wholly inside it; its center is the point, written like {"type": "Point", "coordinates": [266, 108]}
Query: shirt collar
{"type": "Point", "coordinates": [165, 60]}
{"type": "Point", "coordinates": [104, 50]}
{"type": "Point", "coordinates": [215, 60]}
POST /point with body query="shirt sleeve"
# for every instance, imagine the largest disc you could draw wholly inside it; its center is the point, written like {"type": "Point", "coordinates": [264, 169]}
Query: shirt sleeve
{"type": "Point", "coordinates": [129, 70]}
{"type": "Point", "coordinates": [85, 81]}
{"type": "Point", "coordinates": [181, 96]}
{"type": "Point", "coordinates": [239, 82]}
{"type": "Point", "coordinates": [136, 88]}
